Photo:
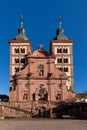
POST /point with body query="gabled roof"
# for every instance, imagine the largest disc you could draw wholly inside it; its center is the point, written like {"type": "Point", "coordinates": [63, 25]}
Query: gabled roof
{"type": "Point", "coordinates": [40, 53]}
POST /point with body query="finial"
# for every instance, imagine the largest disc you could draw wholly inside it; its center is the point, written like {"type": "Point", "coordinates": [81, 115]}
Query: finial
{"type": "Point", "coordinates": [40, 46]}
{"type": "Point", "coordinates": [60, 22]}
{"type": "Point", "coordinates": [21, 21]}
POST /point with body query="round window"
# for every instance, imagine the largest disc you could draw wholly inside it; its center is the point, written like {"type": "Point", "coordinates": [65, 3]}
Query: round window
{"type": "Point", "coordinates": [41, 91]}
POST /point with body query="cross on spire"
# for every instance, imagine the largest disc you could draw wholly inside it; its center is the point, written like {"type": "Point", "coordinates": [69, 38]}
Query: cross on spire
{"type": "Point", "coordinates": [21, 21]}
{"type": "Point", "coordinates": [60, 22]}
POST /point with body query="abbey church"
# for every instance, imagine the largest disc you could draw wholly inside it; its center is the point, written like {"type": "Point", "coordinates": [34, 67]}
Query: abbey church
{"type": "Point", "coordinates": [39, 80]}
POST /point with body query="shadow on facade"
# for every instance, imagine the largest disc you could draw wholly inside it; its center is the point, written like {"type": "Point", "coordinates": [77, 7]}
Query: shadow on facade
{"type": "Point", "coordinates": [45, 114]}
{"type": "Point", "coordinates": [71, 110]}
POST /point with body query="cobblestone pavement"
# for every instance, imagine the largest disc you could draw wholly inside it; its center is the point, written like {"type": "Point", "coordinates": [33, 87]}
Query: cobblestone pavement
{"type": "Point", "coordinates": [43, 125]}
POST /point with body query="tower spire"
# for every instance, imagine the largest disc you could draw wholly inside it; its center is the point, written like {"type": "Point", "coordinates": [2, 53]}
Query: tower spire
{"type": "Point", "coordinates": [21, 31]}
{"type": "Point", "coordinates": [60, 31]}
{"type": "Point", "coordinates": [21, 21]}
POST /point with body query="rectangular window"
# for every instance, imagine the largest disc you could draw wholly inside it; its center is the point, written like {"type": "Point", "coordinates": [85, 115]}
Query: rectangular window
{"type": "Point", "coordinates": [16, 69]}
{"type": "Point", "coordinates": [22, 50]}
{"type": "Point", "coordinates": [66, 69]}
{"type": "Point", "coordinates": [59, 50]}
{"type": "Point", "coordinates": [65, 50]}
{"type": "Point", "coordinates": [16, 50]}
{"type": "Point", "coordinates": [22, 60]}
{"type": "Point", "coordinates": [41, 72]}
{"type": "Point", "coordinates": [65, 60]}
{"type": "Point", "coordinates": [40, 68]}
{"type": "Point", "coordinates": [59, 60]}
{"type": "Point", "coordinates": [16, 60]}
{"type": "Point", "coordinates": [33, 97]}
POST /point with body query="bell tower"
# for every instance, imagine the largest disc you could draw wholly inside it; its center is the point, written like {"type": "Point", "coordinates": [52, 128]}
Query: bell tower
{"type": "Point", "coordinates": [62, 48]}
{"type": "Point", "coordinates": [20, 46]}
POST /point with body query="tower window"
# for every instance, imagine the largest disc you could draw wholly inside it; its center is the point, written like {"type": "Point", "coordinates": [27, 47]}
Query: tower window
{"type": "Point", "coordinates": [16, 50]}
{"type": "Point", "coordinates": [65, 50]}
{"type": "Point", "coordinates": [59, 50]}
{"type": "Point", "coordinates": [59, 60]}
{"type": "Point", "coordinates": [16, 60]}
{"type": "Point", "coordinates": [16, 69]}
{"type": "Point", "coordinates": [66, 69]}
{"type": "Point", "coordinates": [22, 50]}
{"type": "Point", "coordinates": [22, 60]}
{"type": "Point", "coordinates": [65, 60]}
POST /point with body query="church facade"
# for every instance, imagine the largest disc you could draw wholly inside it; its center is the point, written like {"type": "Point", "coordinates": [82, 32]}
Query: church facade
{"type": "Point", "coordinates": [39, 80]}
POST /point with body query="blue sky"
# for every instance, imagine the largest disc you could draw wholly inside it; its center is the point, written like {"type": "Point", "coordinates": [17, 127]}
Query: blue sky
{"type": "Point", "coordinates": [41, 23]}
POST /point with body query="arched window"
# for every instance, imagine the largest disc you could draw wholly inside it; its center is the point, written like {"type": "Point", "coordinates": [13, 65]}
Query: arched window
{"type": "Point", "coordinates": [58, 97]}
{"type": "Point", "coordinates": [25, 96]}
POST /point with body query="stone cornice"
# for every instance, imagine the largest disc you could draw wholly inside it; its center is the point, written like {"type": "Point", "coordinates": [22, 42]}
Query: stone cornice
{"type": "Point", "coordinates": [40, 78]}
{"type": "Point", "coordinates": [62, 41]}
{"type": "Point", "coordinates": [19, 41]}
{"type": "Point", "coordinates": [47, 57]}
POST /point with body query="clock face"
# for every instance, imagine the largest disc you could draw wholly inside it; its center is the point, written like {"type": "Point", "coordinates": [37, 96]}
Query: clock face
{"type": "Point", "coordinates": [41, 91]}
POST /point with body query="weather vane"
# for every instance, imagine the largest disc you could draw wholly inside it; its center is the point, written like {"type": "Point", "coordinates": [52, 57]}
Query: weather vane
{"type": "Point", "coordinates": [60, 21]}
{"type": "Point", "coordinates": [21, 21]}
